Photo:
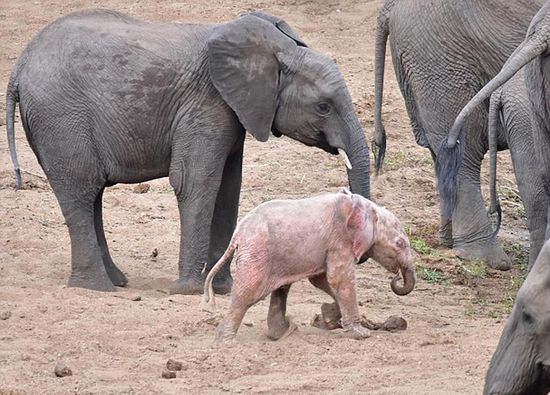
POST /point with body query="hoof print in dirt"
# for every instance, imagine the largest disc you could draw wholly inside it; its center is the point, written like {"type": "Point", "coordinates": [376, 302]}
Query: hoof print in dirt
{"type": "Point", "coordinates": [4, 315]}
{"type": "Point", "coordinates": [174, 365]}
{"type": "Point", "coordinates": [62, 370]}
{"type": "Point", "coordinates": [392, 324]}
{"type": "Point", "coordinates": [168, 374]}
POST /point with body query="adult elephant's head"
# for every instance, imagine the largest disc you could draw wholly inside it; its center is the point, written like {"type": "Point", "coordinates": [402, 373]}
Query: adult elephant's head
{"type": "Point", "coordinates": [521, 363]}
{"type": "Point", "coordinates": [276, 84]}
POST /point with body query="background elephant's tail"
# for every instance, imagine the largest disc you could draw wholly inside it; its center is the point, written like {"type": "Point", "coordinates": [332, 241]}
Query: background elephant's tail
{"type": "Point", "coordinates": [382, 32]}
{"type": "Point", "coordinates": [494, 122]}
{"type": "Point", "coordinates": [208, 296]}
{"type": "Point", "coordinates": [12, 97]}
{"type": "Point", "coordinates": [451, 151]}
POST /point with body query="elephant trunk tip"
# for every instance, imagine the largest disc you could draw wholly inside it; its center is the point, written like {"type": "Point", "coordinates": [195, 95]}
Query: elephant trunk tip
{"type": "Point", "coordinates": [409, 280]}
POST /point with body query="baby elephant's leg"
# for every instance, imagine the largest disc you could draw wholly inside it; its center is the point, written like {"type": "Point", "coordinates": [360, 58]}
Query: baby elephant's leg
{"type": "Point", "coordinates": [278, 324]}
{"type": "Point", "coordinates": [341, 278]}
{"type": "Point", "coordinates": [330, 312]}
{"type": "Point", "coordinates": [228, 327]}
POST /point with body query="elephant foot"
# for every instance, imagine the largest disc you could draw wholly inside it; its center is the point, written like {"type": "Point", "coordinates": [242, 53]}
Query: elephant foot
{"type": "Point", "coordinates": [222, 286]}
{"type": "Point", "coordinates": [492, 254]}
{"type": "Point", "coordinates": [96, 280]}
{"type": "Point", "coordinates": [357, 332]}
{"type": "Point", "coordinates": [117, 277]}
{"type": "Point", "coordinates": [331, 315]}
{"type": "Point", "coordinates": [281, 330]}
{"type": "Point", "coordinates": [185, 286]}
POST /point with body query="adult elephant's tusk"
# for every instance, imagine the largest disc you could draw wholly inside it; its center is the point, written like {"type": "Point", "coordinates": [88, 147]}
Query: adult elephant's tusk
{"type": "Point", "coordinates": [345, 157]}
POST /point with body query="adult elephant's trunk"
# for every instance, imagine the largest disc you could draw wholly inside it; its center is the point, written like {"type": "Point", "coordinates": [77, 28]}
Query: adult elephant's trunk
{"type": "Point", "coordinates": [358, 153]}
{"type": "Point", "coordinates": [409, 281]}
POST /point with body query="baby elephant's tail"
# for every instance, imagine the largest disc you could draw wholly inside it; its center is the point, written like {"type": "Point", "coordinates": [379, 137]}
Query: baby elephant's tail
{"type": "Point", "coordinates": [208, 297]}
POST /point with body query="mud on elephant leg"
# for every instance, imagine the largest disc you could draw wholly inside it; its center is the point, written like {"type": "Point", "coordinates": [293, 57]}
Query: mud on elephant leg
{"type": "Point", "coordinates": [115, 274]}
{"type": "Point", "coordinates": [278, 324]}
{"type": "Point", "coordinates": [225, 217]}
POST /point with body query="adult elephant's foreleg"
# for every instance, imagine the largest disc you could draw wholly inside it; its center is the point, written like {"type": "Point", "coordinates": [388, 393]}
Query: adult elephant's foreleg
{"type": "Point", "coordinates": [115, 274]}
{"type": "Point", "coordinates": [472, 231]}
{"type": "Point", "coordinates": [225, 217]}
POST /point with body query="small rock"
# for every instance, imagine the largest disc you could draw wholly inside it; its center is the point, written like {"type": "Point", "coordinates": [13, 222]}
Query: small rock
{"type": "Point", "coordinates": [250, 324]}
{"type": "Point", "coordinates": [62, 370]}
{"type": "Point", "coordinates": [4, 315]}
{"type": "Point", "coordinates": [154, 253]}
{"type": "Point", "coordinates": [168, 374]}
{"type": "Point", "coordinates": [135, 298]}
{"type": "Point", "coordinates": [174, 365]}
{"type": "Point", "coordinates": [142, 188]}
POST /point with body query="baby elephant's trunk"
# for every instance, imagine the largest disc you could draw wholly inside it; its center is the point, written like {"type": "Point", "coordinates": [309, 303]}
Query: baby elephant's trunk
{"type": "Point", "coordinates": [409, 280]}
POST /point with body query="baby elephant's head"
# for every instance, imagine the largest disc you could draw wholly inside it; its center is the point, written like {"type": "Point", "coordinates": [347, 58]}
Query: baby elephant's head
{"type": "Point", "coordinates": [377, 233]}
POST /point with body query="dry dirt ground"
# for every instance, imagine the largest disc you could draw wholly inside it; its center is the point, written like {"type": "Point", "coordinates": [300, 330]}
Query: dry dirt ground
{"type": "Point", "coordinates": [116, 344]}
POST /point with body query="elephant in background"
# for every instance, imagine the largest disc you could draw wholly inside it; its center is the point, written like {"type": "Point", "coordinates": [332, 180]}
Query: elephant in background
{"type": "Point", "coordinates": [443, 52]}
{"type": "Point", "coordinates": [531, 54]}
{"type": "Point", "coordinates": [521, 362]}
{"type": "Point", "coordinates": [321, 238]}
{"type": "Point", "coordinates": [105, 98]}
{"type": "Point", "coordinates": [510, 126]}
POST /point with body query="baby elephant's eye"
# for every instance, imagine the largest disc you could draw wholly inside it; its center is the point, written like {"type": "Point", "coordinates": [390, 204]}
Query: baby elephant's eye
{"type": "Point", "coordinates": [322, 108]}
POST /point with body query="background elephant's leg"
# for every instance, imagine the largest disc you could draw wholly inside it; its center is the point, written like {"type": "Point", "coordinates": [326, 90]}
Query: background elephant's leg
{"type": "Point", "coordinates": [531, 188]}
{"type": "Point", "coordinates": [331, 317]}
{"type": "Point", "coordinates": [117, 277]}
{"type": "Point", "coordinates": [77, 206]}
{"type": "Point", "coordinates": [341, 278]}
{"type": "Point", "coordinates": [225, 217]}
{"type": "Point", "coordinates": [472, 229]}
{"type": "Point", "coordinates": [277, 322]}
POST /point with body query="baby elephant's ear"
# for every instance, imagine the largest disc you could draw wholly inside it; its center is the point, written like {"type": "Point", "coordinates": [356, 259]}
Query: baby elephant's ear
{"type": "Point", "coordinates": [360, 226]}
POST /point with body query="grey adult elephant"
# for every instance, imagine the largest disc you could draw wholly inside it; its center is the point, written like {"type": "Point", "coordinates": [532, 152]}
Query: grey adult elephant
{"type": "Point", "coordinates": [106, 98]}
{"type": "Point", "coordinates": [443, 52]}
{"type": "Point", "coordinates": [510, 125]}
{"type": "Point", "coordinates": [521, 362]}
{"type": "Point", "coordinates": [531, 54]}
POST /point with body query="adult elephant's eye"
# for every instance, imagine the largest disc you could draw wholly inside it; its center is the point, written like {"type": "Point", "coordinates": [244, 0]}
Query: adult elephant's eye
{"type": "Point", "coordinates": [322, 108]}
{"type": "Point", "coordinates": [526, 316]}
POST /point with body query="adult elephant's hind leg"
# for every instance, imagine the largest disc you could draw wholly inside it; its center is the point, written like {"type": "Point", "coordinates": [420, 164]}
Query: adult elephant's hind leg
{"type": "Point", "coordinates": [225, 217]}
{"type": "Point", "coordinates": [472, 231]}
{"type": "Point", "coordinates": [87, 267]}
{"type": "Point", "coordinates": [117, 277]}
{"type": "Point", "coordinates": [278, 325]}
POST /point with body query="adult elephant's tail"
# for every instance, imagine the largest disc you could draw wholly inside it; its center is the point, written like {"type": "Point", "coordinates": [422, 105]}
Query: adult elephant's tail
{"type": "Point", "coordinates": [382, 32]}
{"type": "Point", "coordinates": [451, 151]}
{"type": "Point", "coordinates": [12, 97]}
{"type": "Point", "coordinates": [494, 123]}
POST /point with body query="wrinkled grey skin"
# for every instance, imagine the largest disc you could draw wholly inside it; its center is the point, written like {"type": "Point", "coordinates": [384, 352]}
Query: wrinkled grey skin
{"type": "Point", "coordinates": [532, 54]}
{"type": "Point", "coordinates": [443, 52]}
{"type": "Point", "coordinates": [510, 125]}
{"type": "Point", "coordinates": [321, 238]}
{"type": "Point", "coordinates": [521, 362]}
{"type": "Point", "coordinates": [105, 99]}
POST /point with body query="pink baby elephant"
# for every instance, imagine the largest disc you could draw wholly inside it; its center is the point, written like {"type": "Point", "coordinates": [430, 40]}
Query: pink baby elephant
{"type": "Point", "coordinates": [321, 238]}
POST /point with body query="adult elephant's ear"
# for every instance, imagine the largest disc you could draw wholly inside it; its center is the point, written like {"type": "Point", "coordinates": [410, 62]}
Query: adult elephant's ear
{"type": "Point", "coordinates": [243, 65]}
{"type": "Point", "coordinates": [280, 24]}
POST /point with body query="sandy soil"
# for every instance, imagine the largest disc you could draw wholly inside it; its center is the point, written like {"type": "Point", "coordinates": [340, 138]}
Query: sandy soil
{"type": "Point", "coordinates": [114, 343]}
